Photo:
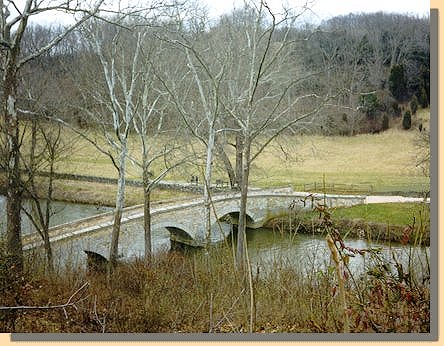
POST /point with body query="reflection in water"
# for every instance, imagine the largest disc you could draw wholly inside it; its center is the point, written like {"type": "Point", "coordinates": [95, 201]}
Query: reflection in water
{"type": "Point", "coordinates": [62, 212]}
{"type": "Point", "coordinates": [267, 248]}
{"type": "Point", "coordinates": [310, 253]}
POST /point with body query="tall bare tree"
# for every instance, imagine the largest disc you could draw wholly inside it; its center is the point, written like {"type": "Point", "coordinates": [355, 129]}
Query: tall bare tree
{"type": "Point", "coordinates": [262, 91]}
{"type": "Point", "coordinates": [14, 20]}
{"type": "Point", "coordinates": [114, 94]}
{"type": "Point", "coordinates": [195, 90]}
{"type": "Point", "coordinates": [47, 148]}
{"type": "Point", "coordinates": [148, 122]}
{"type": "Point", "coordinates": [126, 100]}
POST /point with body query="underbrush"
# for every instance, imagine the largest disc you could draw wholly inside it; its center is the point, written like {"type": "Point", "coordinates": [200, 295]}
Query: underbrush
{"type": "Point", "coordinates": [203, 292]}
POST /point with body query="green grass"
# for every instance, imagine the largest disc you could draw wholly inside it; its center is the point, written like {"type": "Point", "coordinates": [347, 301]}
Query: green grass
{"type": "Point", "coordinates": [388, 213]}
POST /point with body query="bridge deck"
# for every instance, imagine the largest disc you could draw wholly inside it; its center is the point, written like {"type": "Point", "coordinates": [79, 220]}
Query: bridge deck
{"type": "Point", "coordinates": [102, 221]}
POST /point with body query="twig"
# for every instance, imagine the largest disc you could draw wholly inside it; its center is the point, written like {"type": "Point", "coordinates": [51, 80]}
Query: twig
{"type": "Point", "coordinates": [101, 322]}
{"type": "Point", "coordinates": [336, 258]}
{"type": "Point", "coordinates": [71, 302]}
{"type": "Point", "coordinates": [229, 310]}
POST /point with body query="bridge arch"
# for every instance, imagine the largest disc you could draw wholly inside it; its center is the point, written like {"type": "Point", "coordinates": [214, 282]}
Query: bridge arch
{"type": "Point", "coordinates": [233, 218]}
{"type": "Point", "coordinates": [233, 208]}
{"type": "Point", "coordinates": [178, 232]}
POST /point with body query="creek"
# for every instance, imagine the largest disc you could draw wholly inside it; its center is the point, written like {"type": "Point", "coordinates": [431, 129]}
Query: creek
{"type": "Point", "coordinates": [267, 248]}
{"type": "Point", "coordinates": [62, 212]}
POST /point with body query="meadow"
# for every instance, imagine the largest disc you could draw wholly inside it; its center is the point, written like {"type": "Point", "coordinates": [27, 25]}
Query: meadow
{"type": "Point", "coordinates": [386, 162]}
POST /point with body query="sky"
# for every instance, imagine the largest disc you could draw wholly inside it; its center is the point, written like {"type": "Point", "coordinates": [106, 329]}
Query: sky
{"type": "Point", "coordinates": [320, 9]}
{"type": "Point", "coordinates": [323, 9]}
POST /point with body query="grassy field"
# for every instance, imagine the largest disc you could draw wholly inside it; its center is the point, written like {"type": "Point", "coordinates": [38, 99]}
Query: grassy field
{"type": "Point", "coordinates": [387, 161]}
{"type": "Point", "coordinates": [386, 213]}
{"type": "Point", "coordinates": [384, 161]}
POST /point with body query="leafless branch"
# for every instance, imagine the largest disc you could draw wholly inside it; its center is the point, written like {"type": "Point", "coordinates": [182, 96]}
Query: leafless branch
{"type": "Point", "coordinates": [72, 302]}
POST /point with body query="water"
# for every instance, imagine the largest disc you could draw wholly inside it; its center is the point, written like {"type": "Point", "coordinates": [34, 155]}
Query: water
{"type": "Point", "coordinates": [310, 253]}
{"type": "Point", "coordinates": [62, 212]}
{"type": "Point", "coordinates": [267, 248]}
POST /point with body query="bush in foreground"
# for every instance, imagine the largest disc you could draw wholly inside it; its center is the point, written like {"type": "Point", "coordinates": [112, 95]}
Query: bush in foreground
{"type": "Point", "coordinates": [201, 292]}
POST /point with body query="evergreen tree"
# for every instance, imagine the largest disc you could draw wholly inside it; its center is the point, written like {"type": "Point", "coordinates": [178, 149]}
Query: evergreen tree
{"type": "Point", "coordinates": [398, 82]}
{"type": "Point", "coordinates": [407, 120]}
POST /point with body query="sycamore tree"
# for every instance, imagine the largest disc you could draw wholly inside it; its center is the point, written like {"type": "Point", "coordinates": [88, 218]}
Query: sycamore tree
{"type": "Point", "coordinates": [241, 80]}
{"type": "Point", "coordinates": [194, 86]}
{"type": "Point", "coordinates": [265, 91]}
{"type": "Point", "coordinates": [121, 98]}
{"type": "Point", "coordinates": [15, 18]}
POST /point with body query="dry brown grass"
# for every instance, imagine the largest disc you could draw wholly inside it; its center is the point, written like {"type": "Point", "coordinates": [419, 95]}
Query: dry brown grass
{"type": "Point", "coordinates": [201, 293]}
{"type": "Point", "coordinates": [385, 160]}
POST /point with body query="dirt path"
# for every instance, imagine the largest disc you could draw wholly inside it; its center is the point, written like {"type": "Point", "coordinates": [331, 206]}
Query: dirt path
{"type": "Point", "coordinates": [393, 199]}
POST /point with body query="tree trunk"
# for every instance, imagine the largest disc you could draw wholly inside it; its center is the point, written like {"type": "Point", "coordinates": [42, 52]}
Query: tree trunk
{"type": "Point", "coordinates": [48, 248]}
{"type": "Point", "coordinates": [147, 214]}
{"type": "Point", "coordinates": [239, 151]}
{"type": "Point", "coordinates": [120, 202]}
{"type": "Point", "coordinates": [207, 185]}
{"type": "Point", "coordinates": [227, 163]}
{"type": "Point", "coordinates": [14, 249]}
{"type": "Point", "coordinates": [242, 227]}
{"type": "Point", "coordinates": [48, 251]}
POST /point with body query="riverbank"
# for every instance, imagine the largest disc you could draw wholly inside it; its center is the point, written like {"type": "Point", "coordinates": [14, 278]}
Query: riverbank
{"type": "Point", "coordinates": [390, 222]}
{"type": "Point", "coordinates": [203, 292]}
{"type": "Point", "coordinates": [102, 193]}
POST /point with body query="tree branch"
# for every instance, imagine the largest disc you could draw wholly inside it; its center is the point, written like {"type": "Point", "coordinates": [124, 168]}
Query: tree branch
{"type": "Point", "coordinates": [72, 302]}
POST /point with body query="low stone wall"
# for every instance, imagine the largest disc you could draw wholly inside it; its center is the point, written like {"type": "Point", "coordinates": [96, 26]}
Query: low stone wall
{"type": "Point", "coordinates": [166, 185]}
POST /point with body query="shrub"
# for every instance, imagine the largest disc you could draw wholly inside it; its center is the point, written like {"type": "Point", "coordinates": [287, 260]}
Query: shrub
{"type": "Point", "coordinates": [369, 104]}
{"type": "Point", "coordinates": [398, 82]}
{"type": "Point", "coordinates": [407, 120]}
{"type": "Point", "coordinates": [422, 98]}
{"type": "Point", "coordinates": [395, 109]}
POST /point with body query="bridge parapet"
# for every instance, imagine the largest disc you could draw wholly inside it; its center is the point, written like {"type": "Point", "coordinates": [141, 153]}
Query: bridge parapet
{"type": "Point", "coordinates": [185, 221]}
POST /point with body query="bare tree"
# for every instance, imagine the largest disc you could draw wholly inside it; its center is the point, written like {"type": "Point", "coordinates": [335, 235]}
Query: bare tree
{"type": "Point", "coordinates": [51, 150]}
{"type": "Point", "coordinates": [247, 85]}
{"type": "Point", "coordinates": [151, 104]}
{"type": "Point", "coordinates": [196, 92]}
{"type": "Point", "coordinates": [126, 99]}
{"type": "Point", "coordinates": [262, 94]}
{"type": "Point", "coordinates": [116, 108]}
{"type": "Point", "coordinates": [13, 24]}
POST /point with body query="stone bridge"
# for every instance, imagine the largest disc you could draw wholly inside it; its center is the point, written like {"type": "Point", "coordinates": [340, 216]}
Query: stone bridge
{"type": "Point", "coordinates": [183, 220]}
